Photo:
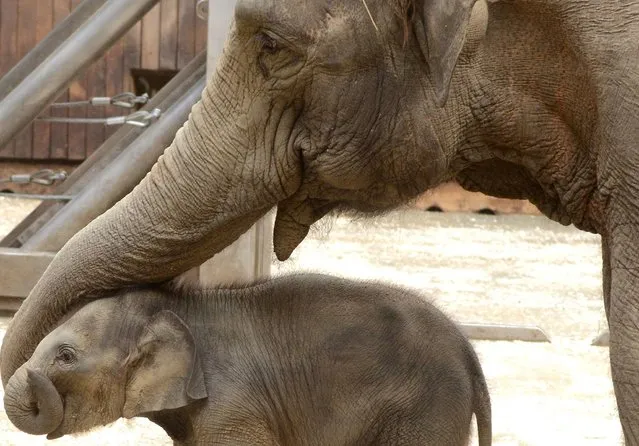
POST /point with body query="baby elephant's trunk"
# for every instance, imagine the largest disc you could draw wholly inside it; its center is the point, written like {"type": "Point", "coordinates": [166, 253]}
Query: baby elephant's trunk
{"type": "Point", "coordinates": [32, 402]}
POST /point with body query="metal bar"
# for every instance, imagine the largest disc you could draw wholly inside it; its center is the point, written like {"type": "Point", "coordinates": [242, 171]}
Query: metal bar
{"type": "Point", "coordinates": [40, 88]}
{"type": "Point", "coordinates": [19, 270]}
{"type": "Point", "coordinates": [106, 153]}
{"type": "Point", "coordinates": [493, 332]}
{"type": "Point", "coordinates": [122, 175]}
{"type": "Point", "coordinates": [47, 46]}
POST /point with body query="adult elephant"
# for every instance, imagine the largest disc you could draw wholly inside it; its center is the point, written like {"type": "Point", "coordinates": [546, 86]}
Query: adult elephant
{"type": "Point", "coordinates": [364, 104]}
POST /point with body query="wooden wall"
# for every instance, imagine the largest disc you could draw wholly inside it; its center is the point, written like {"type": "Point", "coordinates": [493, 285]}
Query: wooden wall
{"type": "Point", "coordinates": [168, 37]}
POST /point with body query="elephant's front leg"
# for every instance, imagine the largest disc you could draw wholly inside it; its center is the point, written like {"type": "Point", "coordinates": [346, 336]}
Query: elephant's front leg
{"type": "Point", "coordinates": [621, 291]}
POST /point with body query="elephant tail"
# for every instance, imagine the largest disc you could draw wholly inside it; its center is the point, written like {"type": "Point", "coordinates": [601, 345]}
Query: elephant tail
{"type": "Point", "coordinates": [481, 404]}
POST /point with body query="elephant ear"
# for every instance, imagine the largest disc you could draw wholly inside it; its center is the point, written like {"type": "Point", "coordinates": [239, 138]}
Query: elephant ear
{"type": "Point", "coordinates": [440, 28]}
{"type": "Point", "coordinates": [165, 371]}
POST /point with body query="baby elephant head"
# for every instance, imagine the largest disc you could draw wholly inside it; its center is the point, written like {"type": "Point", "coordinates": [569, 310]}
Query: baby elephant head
{"type": "Point", "coordinates": [106, 361]}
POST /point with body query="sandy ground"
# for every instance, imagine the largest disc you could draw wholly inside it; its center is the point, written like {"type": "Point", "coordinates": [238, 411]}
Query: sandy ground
{"type": "Point", "coordinates": [504, 269]}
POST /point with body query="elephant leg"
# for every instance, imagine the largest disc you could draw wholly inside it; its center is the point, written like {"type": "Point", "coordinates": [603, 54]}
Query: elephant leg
{"type": "Point", "coordinates": [445, 428]}
{"type": "Point", "coordinates": [232, 431]}
{"type": "Point", "coordinates": [621, 290]}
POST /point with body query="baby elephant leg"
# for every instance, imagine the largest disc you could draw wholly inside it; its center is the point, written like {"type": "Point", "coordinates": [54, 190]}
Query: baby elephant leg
{"type": "Point", "coordinates": [441, 423]}
{"type": "Point", "coordinates": [407, 434]}
{"type": "Point", "coordinates": [240, 434]}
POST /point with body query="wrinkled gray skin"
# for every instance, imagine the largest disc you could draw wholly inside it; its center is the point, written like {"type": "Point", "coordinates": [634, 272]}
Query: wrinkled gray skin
{"type": "Point", "coordinates": [315, 107]}
{"type": "Point", "coordinates": [299, 360]}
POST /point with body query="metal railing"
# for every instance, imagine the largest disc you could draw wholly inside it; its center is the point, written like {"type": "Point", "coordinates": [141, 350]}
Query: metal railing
{"type": "Point", "coordinates": [73, 53]}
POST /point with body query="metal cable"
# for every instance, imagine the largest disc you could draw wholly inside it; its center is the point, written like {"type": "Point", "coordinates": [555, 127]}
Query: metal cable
{"type": "Point", "coordinates": [44, 177]}
{"type": "Point", "coordinates": [140, 118]}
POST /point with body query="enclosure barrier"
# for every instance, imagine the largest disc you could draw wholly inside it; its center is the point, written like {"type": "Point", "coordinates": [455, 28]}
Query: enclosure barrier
{"type": "Point", "coordinates": [21, 268]}
{"type": "Point", "coordinates": [85, 173]}
{"type": "Point", "coordinates": [46, 82]}
{"type": "Point", "coordinates": [118, 179]}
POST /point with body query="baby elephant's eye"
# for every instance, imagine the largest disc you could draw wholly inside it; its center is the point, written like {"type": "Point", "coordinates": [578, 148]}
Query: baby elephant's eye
{"type": "Point", "coordinates": [66, 355]}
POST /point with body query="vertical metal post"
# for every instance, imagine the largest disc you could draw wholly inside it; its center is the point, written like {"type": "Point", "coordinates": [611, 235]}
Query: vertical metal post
{"type": "Point", "coordinates": [249, 257]}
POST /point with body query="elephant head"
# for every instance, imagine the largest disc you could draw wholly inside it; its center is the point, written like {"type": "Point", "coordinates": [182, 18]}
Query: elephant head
{"type": "Point", "coordinates": [314, 107]}
{"type": "Point", "coordinates": [106, 361]}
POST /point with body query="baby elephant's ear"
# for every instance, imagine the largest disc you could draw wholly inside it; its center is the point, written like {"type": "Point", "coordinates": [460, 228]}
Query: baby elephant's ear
{"type": "Point", "coordinates": [165, 371]}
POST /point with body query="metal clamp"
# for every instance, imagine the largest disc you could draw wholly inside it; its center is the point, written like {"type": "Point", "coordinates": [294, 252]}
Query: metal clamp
{"type": "Point", "coordinates": [124, 100]}
{"type": "Point", "coordinates": [140, 118]}
{"type": "Point", "coordinates": [202, 9]}
{"type": "Point", "coordinates": [45, 177]}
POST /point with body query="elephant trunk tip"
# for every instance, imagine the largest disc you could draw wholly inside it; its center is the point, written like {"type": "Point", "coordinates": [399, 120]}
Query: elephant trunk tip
{"type": "Point", "coordinates": [32, 403]}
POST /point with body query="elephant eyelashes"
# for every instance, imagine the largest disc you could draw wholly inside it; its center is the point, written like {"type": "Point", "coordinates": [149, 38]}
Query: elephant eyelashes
{"type": "Point", "coordinates": [66, 355]}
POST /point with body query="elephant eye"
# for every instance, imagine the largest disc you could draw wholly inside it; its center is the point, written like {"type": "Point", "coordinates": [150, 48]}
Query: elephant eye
{"type": "Point", "coordinates": [267, 46]}
{"type": "Point", "coordinates": [267, 43]}
{"type": "Point", "coordinates": [66, 355]}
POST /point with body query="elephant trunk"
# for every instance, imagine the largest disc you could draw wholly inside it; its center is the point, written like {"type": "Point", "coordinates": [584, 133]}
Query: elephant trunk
{"type": "Point", "coordinates": [218, 177]}
{"type": "Point", "coordinates": [32, 403]}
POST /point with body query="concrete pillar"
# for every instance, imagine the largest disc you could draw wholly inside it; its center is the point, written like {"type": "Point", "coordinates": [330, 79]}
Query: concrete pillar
{"type": "Point", "coordinates": [249, 257]}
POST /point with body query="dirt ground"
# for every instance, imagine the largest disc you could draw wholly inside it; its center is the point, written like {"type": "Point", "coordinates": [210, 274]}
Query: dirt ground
{"type": "Point", "coordinates": [478, 268]}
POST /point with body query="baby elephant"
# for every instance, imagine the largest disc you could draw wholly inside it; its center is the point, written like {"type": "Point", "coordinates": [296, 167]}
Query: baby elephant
{"type": "Point", "coordinates": [299, 360]}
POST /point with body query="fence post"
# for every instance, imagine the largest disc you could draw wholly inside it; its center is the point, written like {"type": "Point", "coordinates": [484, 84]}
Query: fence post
{"type": "Point", "coordinates": [249, 257]}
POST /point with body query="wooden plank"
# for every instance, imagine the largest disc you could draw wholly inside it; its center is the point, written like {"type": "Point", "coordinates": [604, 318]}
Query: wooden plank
{"type": "Point", "coordinates": [114, 78]}
{"type": "Point", "coordinates": [77, 132]}
{"type": "Point", "coordinates": [26, 41]}
{"type": "Point", "coordinates": [168, 34]}
{"type": "Point", "coordinates": [186, 33]}
{"type": "Point", "coordinates": [150, 39]}
{"type": "Point", "coordinates": [20, 270]}
{"type": "Point", "coordinates": [60, 131]}
{"type": "Point", "coordinates": [96, 86]}
{"type": "Point", "coordinates": [9, 51]}
{"type": "Point", "coordinates": [494, 332]}
{"type": "Point", "coordinates": [132, 53]}
{"type": "Point", "coordinates": [42, 130]}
